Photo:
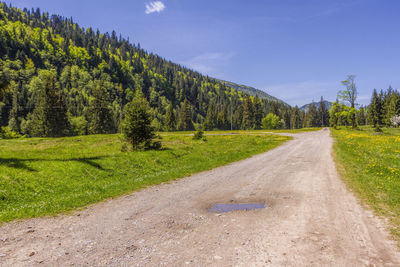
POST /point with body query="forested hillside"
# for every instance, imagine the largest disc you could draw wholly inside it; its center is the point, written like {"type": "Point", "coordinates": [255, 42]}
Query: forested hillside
{"type": "Point", "coordinates": [57, 78]}
{"type": "Point", "coordinates": [252, 91]}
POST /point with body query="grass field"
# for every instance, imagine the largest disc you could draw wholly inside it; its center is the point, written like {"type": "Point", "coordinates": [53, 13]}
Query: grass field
{"type": "Point", "coordinates": [45, 176]}
{"type": "Point", "coordinates": [370, 164]}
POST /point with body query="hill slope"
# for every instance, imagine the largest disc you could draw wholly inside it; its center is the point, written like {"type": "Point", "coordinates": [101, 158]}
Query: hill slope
{"type": "Point", "coordinates": [253, 91]}
{"type": "Point", "coordinates": [328, 105]}
{"type": "Point", "coordinates": [96, 75]}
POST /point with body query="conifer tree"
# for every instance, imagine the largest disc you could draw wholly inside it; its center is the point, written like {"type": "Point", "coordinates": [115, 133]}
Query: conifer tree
{"type": "Point", "coordinates": [258, 113]}
{"type": "Point", "coordinates": [170, 120]}
{"type": "Point", "coordinates": [50, 114]}
{"type": "Point", "coordinates": [295, 119]}
{"type": "Point", "coordinates": [13, 122]}
{"type": "Point", "coordinates": [185, 118]}
{"type": "Point", "coordinates": [99, 111]}
{"type": "Point", "coordinates": [211, 118]}
{"type": "Point", "coordinates": [311, 116]}
{"type": "Point", "coordinates": [323, 114]}
{"type": "Point", "coordinates": [136, 125]}
{"type": "Point", "coordinates": [248, 115]}
{"type": "Point", "coordinates": [375, 109]}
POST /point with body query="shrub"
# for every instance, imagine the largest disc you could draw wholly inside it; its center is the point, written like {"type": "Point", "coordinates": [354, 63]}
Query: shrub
{"type": "Point", "coordinates": [199, 134]}
{"type": "Point", "coordinates": [7, 133]}
{"type": "Point", "coordinates": [271, 121]}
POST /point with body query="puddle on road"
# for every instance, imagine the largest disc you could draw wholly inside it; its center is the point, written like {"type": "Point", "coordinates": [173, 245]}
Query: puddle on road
{"type": "Point", "coordinates": [222, 208]}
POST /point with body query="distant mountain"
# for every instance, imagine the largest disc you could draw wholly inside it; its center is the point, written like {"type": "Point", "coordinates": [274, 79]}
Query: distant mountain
{"type": "Point", "coordinates": [328, 105]}
{"type": "Point", "coordinates": [253, 91]}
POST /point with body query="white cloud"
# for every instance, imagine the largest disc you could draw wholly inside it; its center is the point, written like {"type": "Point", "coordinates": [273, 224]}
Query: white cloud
{"type": "Point", "coordinates": [156, 6]}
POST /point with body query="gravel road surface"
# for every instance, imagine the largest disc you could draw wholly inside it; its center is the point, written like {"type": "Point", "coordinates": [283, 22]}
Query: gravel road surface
{"type": "Point", "coordinates": [310, 219]}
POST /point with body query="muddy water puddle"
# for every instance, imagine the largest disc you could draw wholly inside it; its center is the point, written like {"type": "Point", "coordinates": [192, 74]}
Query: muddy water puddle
{"type": "Point", "coordinates": [222, 208]}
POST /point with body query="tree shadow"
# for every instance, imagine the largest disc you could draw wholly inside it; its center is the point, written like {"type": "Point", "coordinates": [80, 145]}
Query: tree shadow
{"type": "Point", "coordinates": [21, 163]}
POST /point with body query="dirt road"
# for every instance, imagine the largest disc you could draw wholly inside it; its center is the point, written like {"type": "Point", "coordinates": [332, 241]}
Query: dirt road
{"type": "Point", "coordinates": [310, 219]}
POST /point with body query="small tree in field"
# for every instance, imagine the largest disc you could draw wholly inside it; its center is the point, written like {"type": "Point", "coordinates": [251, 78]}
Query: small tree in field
{"type": "Point", "coordinates": [136, 126]}
{"type": "Point", "coordinates": [350, 95]}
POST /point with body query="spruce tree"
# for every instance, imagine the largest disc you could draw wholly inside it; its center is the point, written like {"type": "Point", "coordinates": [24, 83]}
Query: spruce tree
{"type": "Point", "coordinates": [99, 112]}
{"type": "Point", "coordinates": [50, 114]}
{"type": "Point", "coordinates": [375, 109]}
{"type": "Point", "coordinates": [312, 116]}
{"type": "Point", "coordinates": [170, 120]}
{"type": "Point", "coordinates": [185, 118]}
{"type": "Point", "coordinates": [136, 125]}
{"type": "Point", "coordinates": [258, 112]}
{"type": "Point", "coordinates": [323, 114]}
{"type": "Point", "coordinates": [248, 115]}
{"type": "Point", "coordinates": [295, 119]}
{"type": "Point", "coordinates": [211, 117]}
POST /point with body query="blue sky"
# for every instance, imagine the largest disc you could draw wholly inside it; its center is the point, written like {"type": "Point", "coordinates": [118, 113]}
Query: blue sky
{"type": "Point", "coordinates": [295, 50]}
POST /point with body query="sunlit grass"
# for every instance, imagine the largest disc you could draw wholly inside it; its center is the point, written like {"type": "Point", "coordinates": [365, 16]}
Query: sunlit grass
{"type": "Point", "coordinates": [370, 164]}
{"type": "Point", "coordinates": [44, 176]}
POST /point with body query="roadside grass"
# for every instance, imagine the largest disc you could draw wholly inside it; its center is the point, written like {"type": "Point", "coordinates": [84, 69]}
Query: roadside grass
{"type": "Point", "coordinates": [370, 164]}
{"type": "Point", "coordinates": [46, 176]}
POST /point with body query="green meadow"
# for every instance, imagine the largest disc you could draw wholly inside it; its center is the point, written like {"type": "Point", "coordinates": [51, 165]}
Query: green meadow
{"type": "Point", "coordinates": [46, 176]}
{"type": "Point", "coordinates": [370, 165]}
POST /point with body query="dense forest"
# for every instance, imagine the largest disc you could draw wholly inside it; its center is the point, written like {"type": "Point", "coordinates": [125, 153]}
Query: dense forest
{"type": "Point", "coordinates": [57, 78]}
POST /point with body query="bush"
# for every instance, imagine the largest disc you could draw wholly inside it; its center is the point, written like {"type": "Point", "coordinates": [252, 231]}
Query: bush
{"type": "Point", "coordinates": [6, 133]}
{"type": "Point", "coordinates": [79, 125]}
{"type": "Point", "coordinates": [271, 121]}
{"type": "Point", "coordinates": [199, 134]}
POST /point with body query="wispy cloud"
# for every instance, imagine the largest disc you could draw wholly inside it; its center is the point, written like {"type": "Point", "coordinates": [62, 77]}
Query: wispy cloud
{"type": "Point", "coordinates": [300, 93]}
{"type": "Point", "coordinates": [209, 63]}
{"type": "Point", "coordinates": [156, 6]}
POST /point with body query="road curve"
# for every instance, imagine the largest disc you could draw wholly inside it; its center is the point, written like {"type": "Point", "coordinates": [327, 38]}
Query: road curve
{"type": "Point", "coordinates": [310, 219]}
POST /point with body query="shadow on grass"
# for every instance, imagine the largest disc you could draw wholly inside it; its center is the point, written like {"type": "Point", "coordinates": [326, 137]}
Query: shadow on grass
{"type": "Point", "coordinates": [21, 163]}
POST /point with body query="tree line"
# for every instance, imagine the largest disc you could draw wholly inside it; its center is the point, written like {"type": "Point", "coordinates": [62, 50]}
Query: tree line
{"type": "Point", "coordinates": [383, 110]}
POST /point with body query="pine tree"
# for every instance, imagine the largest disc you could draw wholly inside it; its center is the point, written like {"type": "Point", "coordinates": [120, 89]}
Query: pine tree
{"type": "Point", "coordinates": [295, 119]}
{"type": "Point", "coordinates": [311, 116]}
{"type": "Point", "coordinates": [99, 111]}
{"type": "Point", "coordinates": [170, 120]}
{"type": "Point", "coordinates": [50, 114]}
{"type": "Point", "coordinates": [258, 113]}
{"type": "Point", "coordinates": [13, 122]}
{"type": "Point", "coordinates": [248, 121]}
{"type": "Point", "coordinates": [376, 109]}
{"type": "Point", "coordinates": [136, 125]}
{"type": "Point", "coordinates": [185, 118]}
{"type": "Point", "coordinates": [323, 114]}
{"type": "Point", "coordinates": [211, 118]}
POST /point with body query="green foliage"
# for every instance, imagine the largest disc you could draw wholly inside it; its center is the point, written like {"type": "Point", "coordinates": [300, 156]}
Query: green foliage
{"type": "Point", "coordinates": [99, 111]}
{"type": "Point", "coordinates": [271, 121]}
{"type": "Point", "coordinates": [170, 119]}
{"type": "Point", "coordinates": [7, 133]}
{"type": "Point", "coordinates": [136, 126]}
{"type": "Point", "coordinates": [79, 125]}
{"type": "Point", "coordinates": [248, 120]}
{"type": "Point", "coordinates": [50, 115]}
{"type": "Point", "coordinates": [97, 75]}
{"type": "Point", "coordinates": [199, 134]}
{"type": "Point", "coordinates": [41, 176]}
{"type": "Point", "coordinates": [185, 122]}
